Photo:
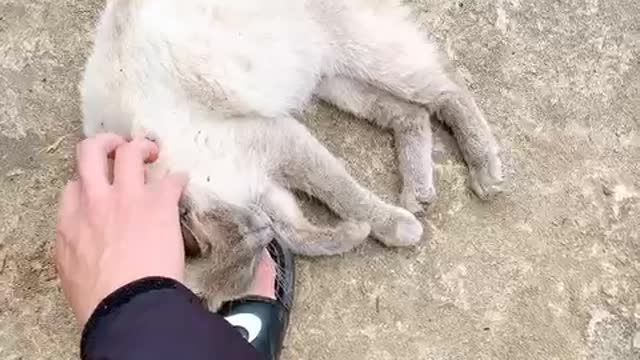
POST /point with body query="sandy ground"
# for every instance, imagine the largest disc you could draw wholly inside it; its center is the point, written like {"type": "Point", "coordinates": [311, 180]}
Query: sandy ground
{"type": "Point", "coordinates": [551, 270]}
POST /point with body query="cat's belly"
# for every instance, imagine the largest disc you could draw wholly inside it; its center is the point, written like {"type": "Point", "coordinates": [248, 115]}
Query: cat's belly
{"type": "Point", "coordinates": [178, 67]}
{"type": "Point", "coordinates": [218, 157]}
{"type": "Point", "coordinates": [234, 58]}
{"type": "Point", "coordinates": [239, 57]}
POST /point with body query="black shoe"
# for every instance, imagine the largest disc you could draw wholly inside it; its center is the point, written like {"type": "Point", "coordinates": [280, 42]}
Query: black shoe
{"type": "Point", "coordinates": [263, 321]}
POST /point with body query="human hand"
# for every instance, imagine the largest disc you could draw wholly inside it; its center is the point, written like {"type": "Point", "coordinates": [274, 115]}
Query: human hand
{"type": "Point", "coordinates": [113, 232]}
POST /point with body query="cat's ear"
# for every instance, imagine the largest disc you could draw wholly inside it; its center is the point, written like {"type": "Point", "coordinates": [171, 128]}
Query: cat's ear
{"type": "Point", "coordinates": [200, 227]}
{"type": "Point", "coordinates": [192, 247]}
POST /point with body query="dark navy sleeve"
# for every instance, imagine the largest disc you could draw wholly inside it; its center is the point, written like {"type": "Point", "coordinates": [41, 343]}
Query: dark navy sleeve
{"type": "Point", "coordinates": [159, 318]}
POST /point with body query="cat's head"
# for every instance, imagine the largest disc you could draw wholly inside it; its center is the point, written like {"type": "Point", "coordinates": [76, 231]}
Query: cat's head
{"type": "Point", "coordinates": [223, 227]}
{"type": "Point", "coordinates": [228, 239]}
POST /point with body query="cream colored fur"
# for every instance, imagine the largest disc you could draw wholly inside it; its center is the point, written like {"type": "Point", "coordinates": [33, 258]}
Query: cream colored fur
{"type": "Point", "coordinates": [215, 82]}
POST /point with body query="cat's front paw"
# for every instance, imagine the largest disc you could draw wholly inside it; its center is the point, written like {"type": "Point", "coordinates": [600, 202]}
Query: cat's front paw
{"type": "Point", "coordinates": [487, 180]}
{"type": "Point", "coordinates": [353, 233]}
{"type": "Point", "coordinates": [398, 228]}
{"type": "Point", "coordinates": [348, 235]}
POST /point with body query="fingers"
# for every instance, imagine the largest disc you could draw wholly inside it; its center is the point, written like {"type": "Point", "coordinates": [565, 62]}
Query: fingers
{"type": "Point", "coordinates": [128, 166]}
{"type": "Point", "coordinates": [129, 172]}
{"type": "Point", "coordinates": [172, 186]}
{"type": "Point", "coordinates": [93, 168]}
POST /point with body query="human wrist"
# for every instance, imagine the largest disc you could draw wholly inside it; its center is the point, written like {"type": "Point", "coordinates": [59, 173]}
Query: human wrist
{"type": "Point", "coordinates": [126, 293]}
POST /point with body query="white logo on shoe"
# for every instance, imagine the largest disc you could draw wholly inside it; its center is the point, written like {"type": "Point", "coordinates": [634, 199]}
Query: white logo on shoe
{"type": "Point", "coordinates": [251, 323]}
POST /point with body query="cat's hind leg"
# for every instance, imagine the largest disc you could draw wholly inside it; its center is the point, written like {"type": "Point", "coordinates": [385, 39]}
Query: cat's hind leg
{"type": "Point", "coordinates": [383, 47]}
{"type": "Point", "coordinates": [411, 129]}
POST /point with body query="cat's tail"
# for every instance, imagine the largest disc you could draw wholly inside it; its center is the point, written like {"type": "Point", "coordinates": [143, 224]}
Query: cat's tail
{"type": "Point", "coordinates": [322, 241]}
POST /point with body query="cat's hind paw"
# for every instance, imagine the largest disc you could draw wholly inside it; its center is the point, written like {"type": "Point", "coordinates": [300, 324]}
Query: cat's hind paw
{"type": "Point", "coordinates": [416, 200]}
{"type": "Point", "coordinates": [487, 180]}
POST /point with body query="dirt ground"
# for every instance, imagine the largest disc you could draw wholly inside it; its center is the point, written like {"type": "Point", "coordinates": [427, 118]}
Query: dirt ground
{"type": "Point", "coordinates": [550, 270]}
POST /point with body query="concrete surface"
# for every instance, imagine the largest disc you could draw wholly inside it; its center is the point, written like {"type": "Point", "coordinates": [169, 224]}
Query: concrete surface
{"type": "Point", "coordinates": [549, 271]}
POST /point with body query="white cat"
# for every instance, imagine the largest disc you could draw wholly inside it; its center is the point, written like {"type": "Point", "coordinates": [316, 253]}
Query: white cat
{"type": "Point", "coordinates": [214, 83]}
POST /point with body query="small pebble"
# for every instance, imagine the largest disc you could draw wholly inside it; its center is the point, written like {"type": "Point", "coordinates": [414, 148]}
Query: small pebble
{"type": "Point", "coordinates": [15, 172]}
{"type": "Point", "coordinates": [636, 340]}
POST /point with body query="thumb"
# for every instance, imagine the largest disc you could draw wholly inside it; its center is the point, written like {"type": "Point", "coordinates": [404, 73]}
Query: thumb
{"type": "Point", "coordinates": [173, 186]}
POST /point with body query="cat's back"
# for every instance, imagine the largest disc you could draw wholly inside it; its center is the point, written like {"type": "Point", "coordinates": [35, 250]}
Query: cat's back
{"type": "Point", "coordinates": [234, 57]}
{"type": "Point", "coordinates": [143, 51]}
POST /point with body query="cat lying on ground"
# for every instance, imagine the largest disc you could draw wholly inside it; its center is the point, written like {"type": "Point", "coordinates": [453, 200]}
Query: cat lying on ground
{"type": "Point", "coordinates": [214, 83]}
